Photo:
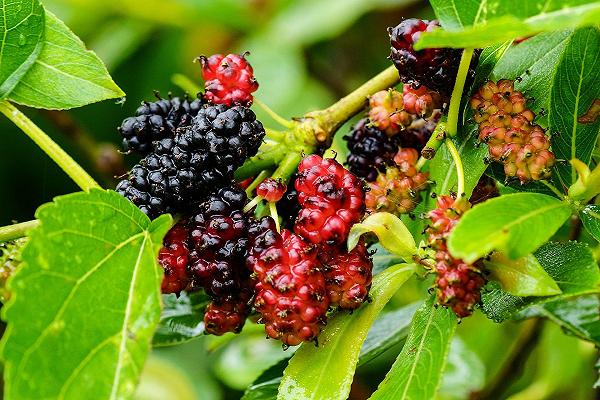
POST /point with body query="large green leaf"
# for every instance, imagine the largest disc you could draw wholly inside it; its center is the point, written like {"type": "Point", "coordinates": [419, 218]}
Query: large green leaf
{"type": "Point", "coordinates": [571, 265]}
{"type": "Point", "coordinates": [575, 87]}
{"type": "Point", "coordinates": [417, 372]}
{"type": "Point", "coordinates": [389, 330]}
{"type": "Point", "coordinates": [65, 74]}
{"type": "Point", "coordinates": [86, 301]}
{"type": "Point", "coordinates": [524, 276]}
{"type": "Point", "coordinates": [21, 32]}
{"type": "Point", "coordinates": [590, 217]}
{"type": "Point", "coordinates": [326, 371]}
{"type": "Point", "coordinates": [491, 22]}
{"type": "Point", "coordinates": [516, 224]}
{"type": "Point", "coordinates": [443, 170]}
{"type": "Point", "coordinates": [577, 316]}
{"type": "Point", "coordinates": [181, 320]}
{"type": "Point", "coordinates": [464, 374]}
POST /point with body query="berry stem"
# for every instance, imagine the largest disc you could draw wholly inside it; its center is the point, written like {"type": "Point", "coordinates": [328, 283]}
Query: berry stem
{"type": "Point", "coordinates": [16, 231]}
{"type": "Point", "coordinates": [53, 150]}
{"type": "Point", "coordinates": [460, 171]}
{"type": "Point", "coordinates": [259, 178]}
{"type": "Point", "coordinates": [433, 144]}
{"type": "Point", "coordinates": [337, 114]}
{"type": "Point", "coordinates": [553, 188]}
{"type": "Point", "coordinates": [276, 117]}
{"type": "Point", "coordinates": [459, 85]}
{"type": "Point", "coordinates": [252, 204]}
{"type": "Point", "coordinates": [287, 167]}
{"type": "Point", "coordinates": [274, 215]}
{"type": "Point", "coordinates": [263, 160]}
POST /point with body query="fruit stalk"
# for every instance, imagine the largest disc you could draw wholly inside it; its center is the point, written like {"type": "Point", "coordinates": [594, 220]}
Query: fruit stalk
{"type": "Point", "coordinates": [16, 231]}
{"type": "Point", "coordinates": [53, 150]}
{"type": "Point", "coordinates": [459, 85]}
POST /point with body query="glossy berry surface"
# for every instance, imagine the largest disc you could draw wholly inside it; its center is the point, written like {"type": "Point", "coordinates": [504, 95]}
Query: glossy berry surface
{"type": "Point", "coordinates": [228, 79]}
{"type": "Point", "coordinates": [271, 189]}
{"type": "Point", "coordinates": [290, 294]}
{"type": "Point", "coordinates": [173, 257]}
{"type": "Point", "coordinates": [348, 276]}
{"type": "Point", "coordinates": [332, 200]}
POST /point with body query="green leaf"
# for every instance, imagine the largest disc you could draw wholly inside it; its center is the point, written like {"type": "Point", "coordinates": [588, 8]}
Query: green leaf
{"type": "Point", "coordinates": [265, 386]}
{"type": "Point", "coordinates": [65, 75]}
{"type": "Point", "coordinates": [571, 265]}
{"type": "Point", "coordinates": [443, 171]}
{"type": "Point", "coordinates": [86, 301]}
{"type": "Point", "coordinates": [515, 224]}
{"type": "Point", "coordinates": [181, 320]}
{"type": "Point", "coordinates": [578, 317]}
{"type": "Point", "coordinates": [590, 216]}
{"type": "Point", "coordinates": [524, 276]}
{"type": "Point", "coordinates": [574, 89]}
{"type": "Point", "coordinates": [391, 232]}
{"type": "Point", "coordinates": [383, 259]}
{"type": "Point", "coordinates": [326, 372]}
{"type": "Point", "coordinates": [506, 26]}
{"type": "Point", "coordinates": [390, 329]}
{"type": "Point", "coordinates": [417, 372]}
{"type": "Point", "coordinates": [464, 374]}
{"type": "Point", "coordinates": [21, 32]}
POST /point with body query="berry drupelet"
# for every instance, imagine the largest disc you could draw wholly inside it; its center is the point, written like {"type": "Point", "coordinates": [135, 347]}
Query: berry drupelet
{"type": "Point", "coordinates": [397, 189]}
{"type": "Point", "coordinates": [218, 249]}
{"type": "Point", "coordinates": [435, 68]}
{"type": "Point", "coordinates": [157, 120]}
{"type": "Point", "coordinates": [290, 294]}
{"type": "Point", "coordinates": [228, 79]}
{"type": "Point", "coordinates": [348, 276]}
{"type": "Point", "coordinates": [458, 284]}
{"type": "Point", "coordinates": [271, 189]}
{"type": "Point", "coordinates": [332, 200]}
{"type": "Point", "coordinates": [174, 257]}
{"type": "Point", "coordinates": [506, 126]}
{"type": "Point", "coordinates": [183, 170]}
{"type": "Point", "coordinates": [387, 113]}
{"type": "Point", "coordinates": [371, 150]}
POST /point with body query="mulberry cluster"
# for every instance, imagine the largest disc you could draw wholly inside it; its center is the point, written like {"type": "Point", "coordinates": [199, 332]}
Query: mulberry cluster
{"type": "Point", "coordinates": [290, 294]}
{"type": "Point", "coordinates": [207, 250]}
{"type": "Point", "coordinates": [156, 120]}
{"type": "Point", "coordinates": [434, 68]}
{"type": "Point", "coordinates": [228, 79]}
{"type": "Point", "coordinates": [201, 157]}
{"type": "Point", "coordinates": [458, 284]}
{"type": "Point", "coordinates": [397, 189]}
{"type": "Point", "coordinates": [332, 200]}
{"type": "Point", "coordinates": [387, 113]}
{"type": "Point", "coordinates": [506, 126]}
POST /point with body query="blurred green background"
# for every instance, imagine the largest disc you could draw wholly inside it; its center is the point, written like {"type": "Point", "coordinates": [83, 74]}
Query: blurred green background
{"type": "Point", "coordinates": [306, 54]}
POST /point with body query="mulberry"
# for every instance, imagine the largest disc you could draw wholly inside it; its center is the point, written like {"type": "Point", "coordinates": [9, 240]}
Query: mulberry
{"type": "Point", "coordinates": [371, 150]}
{"type": "Point", "coordinates": [434, 68]}
{"type": "Point", "coordinates": [506, 126]}
{"type": "Point", "coordinates": [348, 276]}
{"type": "Point", "coordinates": [155, 121]}
{"type": "Point", "coordinates": [458, 284]}
{"type": "Point", "coordinates": [228, 79]}
{"type": "Point", "coordinates": [421, 101]}
{"type": "Point", "coordinates": [271, 189]}
{"type": "Point", "coordinates": [397, 190]}
{"type": "Point", "coordinates": [332, 200]}
{"type": "Point", "coordinates": [183, 170]}
{"type": "Point", "coordinates": [290, 293]}
{"type": "Point", "coordinates": [387, 112]}
{"type": "Point", "coordinates": [173, 257]}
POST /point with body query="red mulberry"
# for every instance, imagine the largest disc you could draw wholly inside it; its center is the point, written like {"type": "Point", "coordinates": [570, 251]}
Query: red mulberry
{"type": "Point", "coordinates": [290, 293]}
{"type": "Point", "coordinates": [332, 200]}
{"type": "Point", "coordinates": [173, 257]}
{"type": "Point", "coordinates": [387, 112]}
{"type": "Point", "coordinates": [228, 79]}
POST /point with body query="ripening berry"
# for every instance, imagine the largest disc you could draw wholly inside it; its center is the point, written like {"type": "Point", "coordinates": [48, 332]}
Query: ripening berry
{"type": "Point", "coordinates": [271, 189]}
{"type": "Point", "coordinates": [228, 79]}
{"type": "Point", "coordinates": [173, 257]}
{"type": "Point", "coordinates": [387, 113]}
{"type": "Point", "coordinates": [421, 101]}
{"type": "Point", "coordinates": [332, 200]}
{"type": "Point", "coordinates": [290, 292]}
